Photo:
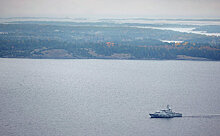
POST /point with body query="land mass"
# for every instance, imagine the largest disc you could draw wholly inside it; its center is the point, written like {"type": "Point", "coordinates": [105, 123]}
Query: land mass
{"type": "Point", "coordinates": [104, 40]}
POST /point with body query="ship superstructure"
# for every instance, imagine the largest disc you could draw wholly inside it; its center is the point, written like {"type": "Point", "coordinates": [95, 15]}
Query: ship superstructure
{"type": "Point", "coordinates": [167, 113]}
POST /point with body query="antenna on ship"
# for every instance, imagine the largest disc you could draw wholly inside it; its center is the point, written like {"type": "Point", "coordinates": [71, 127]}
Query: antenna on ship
{"type": "Point", "coordinates": [168, 107]}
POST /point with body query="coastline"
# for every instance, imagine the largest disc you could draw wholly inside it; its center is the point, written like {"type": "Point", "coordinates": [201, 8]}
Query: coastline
{"type": "Point", "coordinates": [148, 59]}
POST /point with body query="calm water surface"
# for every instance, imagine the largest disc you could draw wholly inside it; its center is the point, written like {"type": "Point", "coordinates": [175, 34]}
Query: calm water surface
{"type": "Point", "coordinates": [108, 97]}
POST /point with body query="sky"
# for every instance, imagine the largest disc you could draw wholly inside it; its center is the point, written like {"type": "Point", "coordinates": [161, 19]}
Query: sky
{"type": "Point", "coordinates": [111, 8]}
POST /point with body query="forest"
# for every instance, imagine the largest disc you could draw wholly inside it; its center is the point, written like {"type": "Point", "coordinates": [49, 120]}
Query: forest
{"type": "Point", "coordinates": [104, 40]}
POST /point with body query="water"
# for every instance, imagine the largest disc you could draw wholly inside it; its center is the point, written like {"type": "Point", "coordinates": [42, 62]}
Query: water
{"type": "Point", "coordinates": [179, 29]}
{"type": "Point", "coordinates": [167, 41]}
{"type": "Point", "coordinates": [108, 97]}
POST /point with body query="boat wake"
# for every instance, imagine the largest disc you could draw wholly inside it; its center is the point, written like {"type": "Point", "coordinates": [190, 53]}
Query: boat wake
{"type": "Point", "coordinates": [203, 116]}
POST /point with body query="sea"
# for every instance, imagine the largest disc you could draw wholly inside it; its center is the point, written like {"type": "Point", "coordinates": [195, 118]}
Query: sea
{"type": "Point", "coordinates": [89, 97]}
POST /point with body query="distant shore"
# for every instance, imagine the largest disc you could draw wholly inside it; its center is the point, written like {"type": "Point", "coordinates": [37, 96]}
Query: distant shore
{"type": "Point", "coordinates": [184, 58]}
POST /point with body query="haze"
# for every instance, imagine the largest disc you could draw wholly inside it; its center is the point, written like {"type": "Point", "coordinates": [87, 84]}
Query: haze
{"type": "Point", "coordinates": [110, 8]}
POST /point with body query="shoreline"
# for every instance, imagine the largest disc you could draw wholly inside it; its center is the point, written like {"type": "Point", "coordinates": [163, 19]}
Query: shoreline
{"type": "Point", "coordinates": [110, 59]}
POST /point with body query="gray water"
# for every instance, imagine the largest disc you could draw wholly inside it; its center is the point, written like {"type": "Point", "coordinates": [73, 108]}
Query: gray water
{"type": "Point", "coordinates": [108, 97]}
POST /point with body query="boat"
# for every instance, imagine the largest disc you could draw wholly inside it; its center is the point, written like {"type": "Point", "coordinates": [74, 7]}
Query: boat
{"type": "Point", "coordinates": [167, 113]}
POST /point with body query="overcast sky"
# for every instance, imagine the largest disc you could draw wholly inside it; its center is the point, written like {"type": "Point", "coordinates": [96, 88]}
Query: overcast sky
{"type": "Point", "coordinates": [110, 8]}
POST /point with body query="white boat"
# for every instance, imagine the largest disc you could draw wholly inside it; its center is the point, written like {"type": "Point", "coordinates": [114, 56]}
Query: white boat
{"type": "Point", "coordinates": [168, 113]}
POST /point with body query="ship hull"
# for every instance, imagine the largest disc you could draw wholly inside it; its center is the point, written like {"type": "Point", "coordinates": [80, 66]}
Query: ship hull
{"type": "Point", "coordinates": [177, 115]}
{"type": "Point", "coordinates": [160, 116]}
{"type": "Point", "coordinates": [165, 116]}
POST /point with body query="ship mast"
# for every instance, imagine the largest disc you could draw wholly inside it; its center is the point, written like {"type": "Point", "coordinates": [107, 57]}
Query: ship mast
{"type": "Point", "coordinates": [168, 107]}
